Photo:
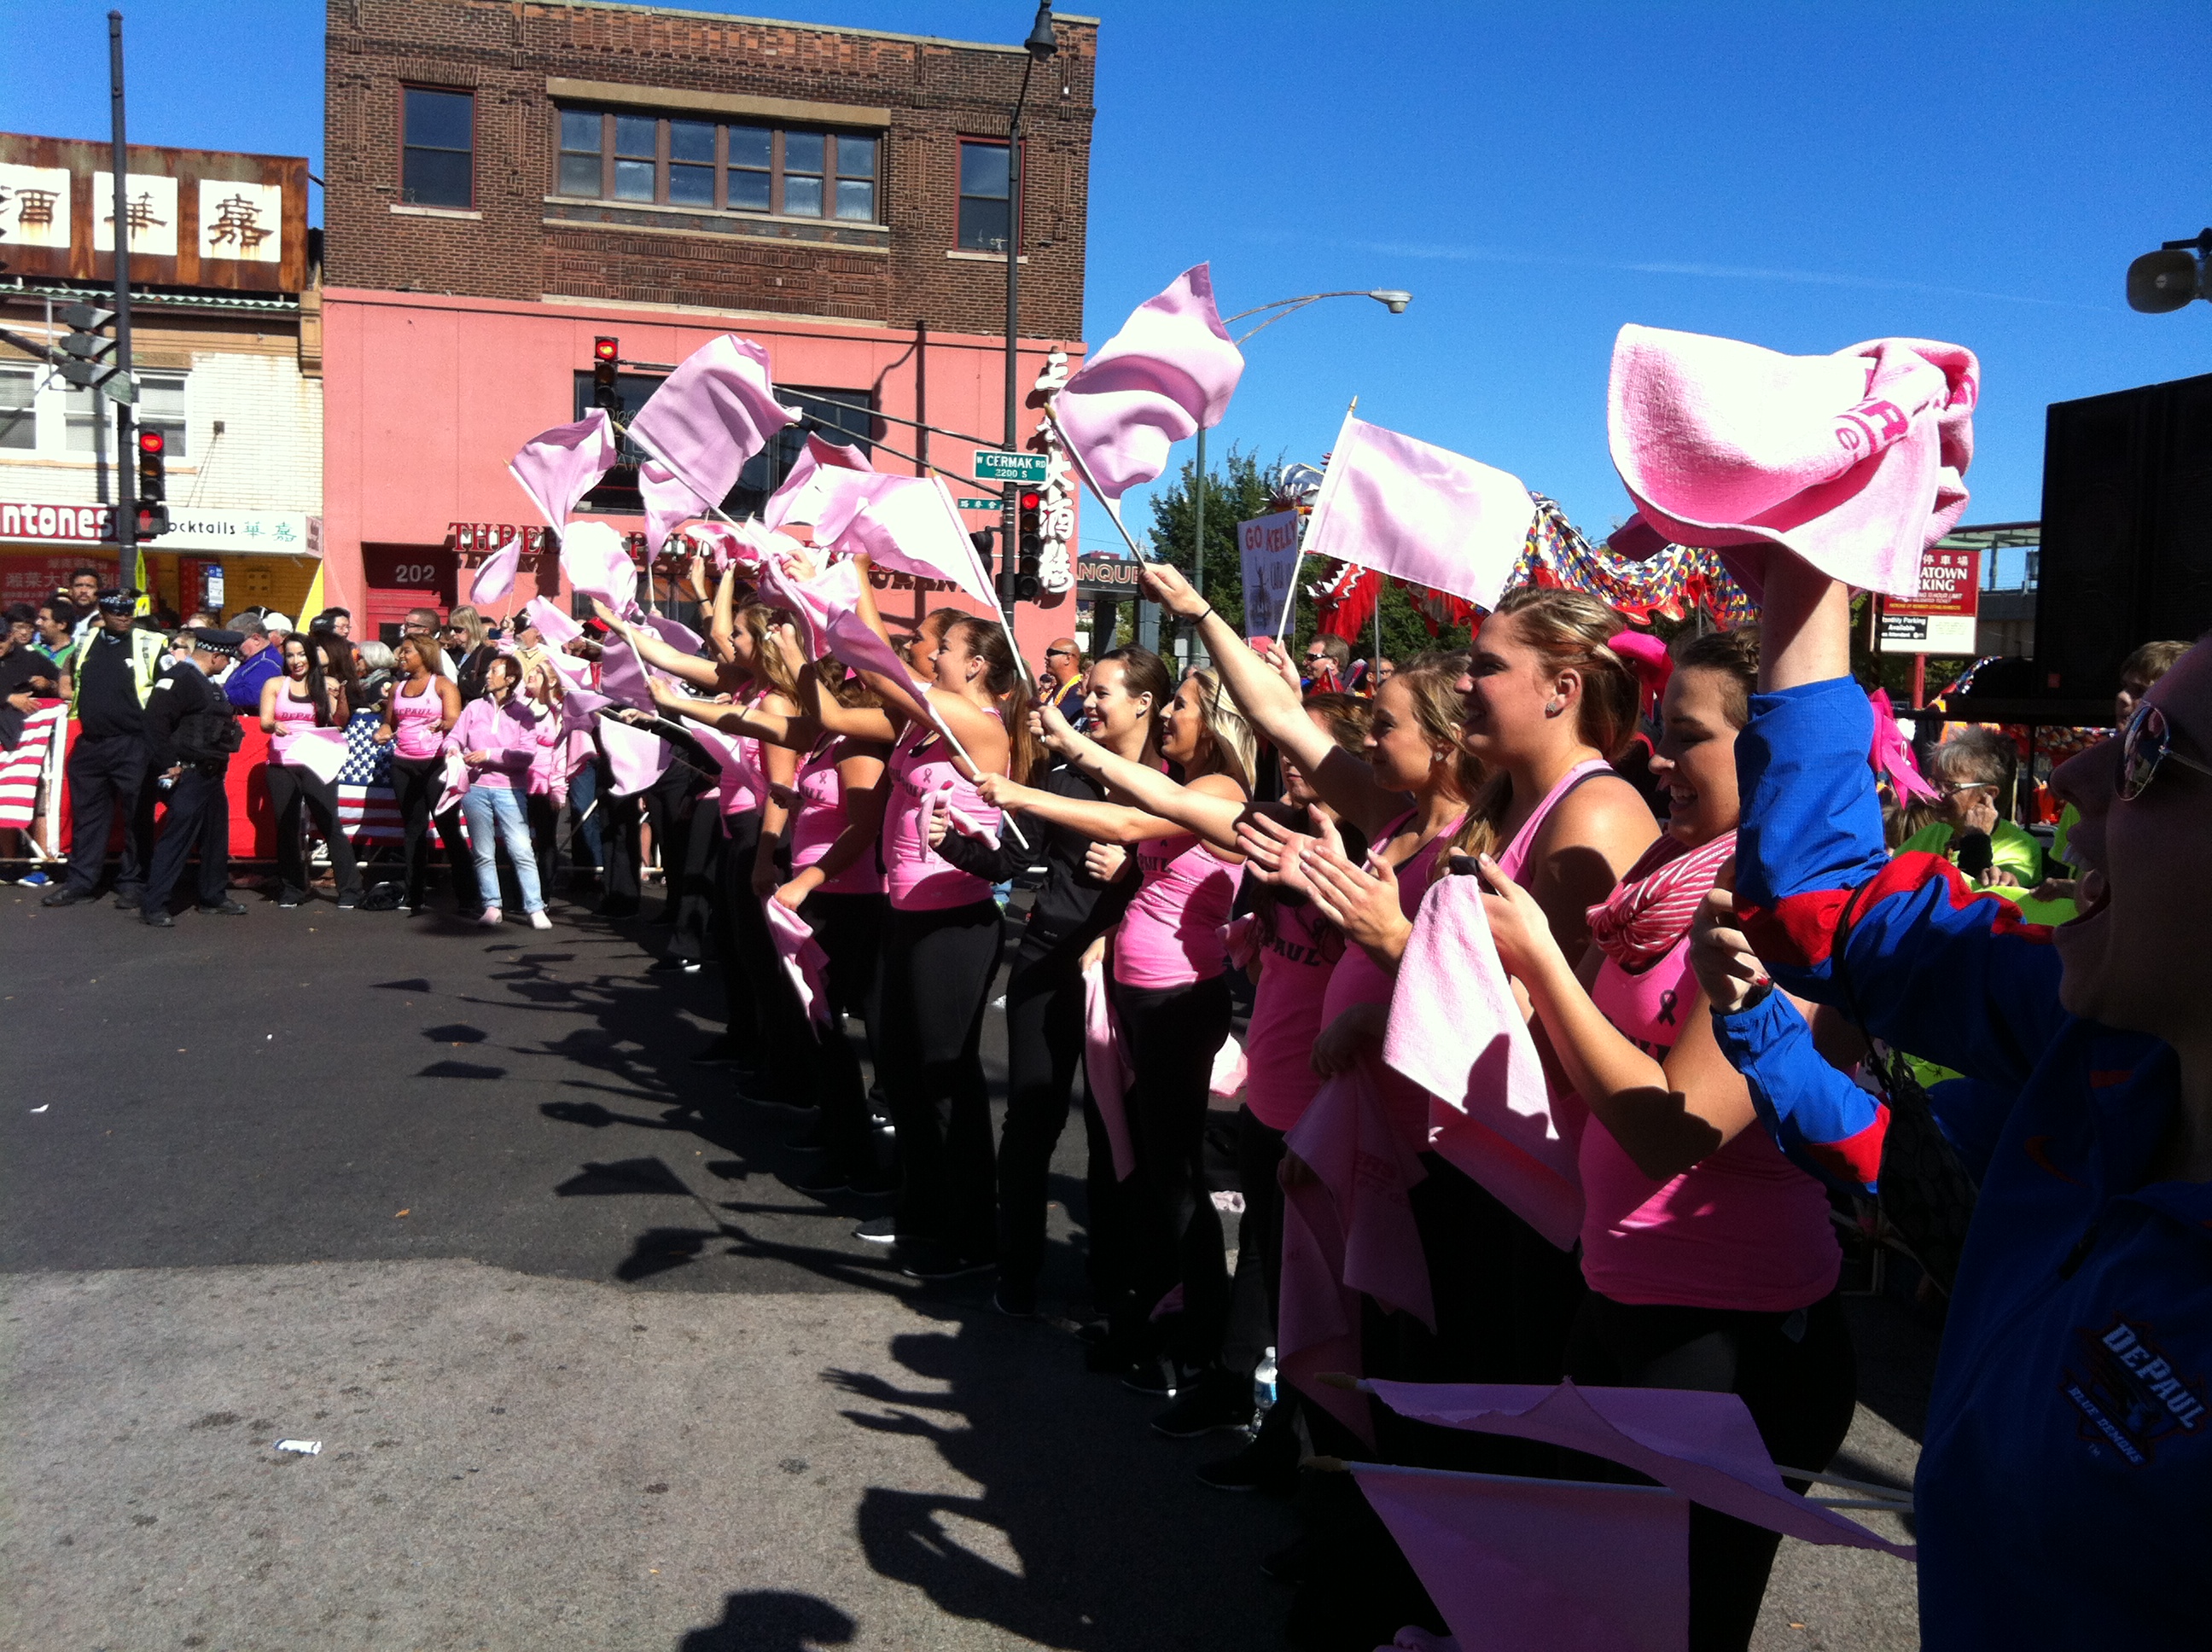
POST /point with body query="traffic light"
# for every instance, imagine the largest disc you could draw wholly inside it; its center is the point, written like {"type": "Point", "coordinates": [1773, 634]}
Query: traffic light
{"type": "Point", "coordinates": [88, 349]}
{"type": "Point", "coordinates": [606, 354]}
{"type": "Point", "coordinates": [1028, 541]}
{"type": "Point", "coordinates": [153, 485]}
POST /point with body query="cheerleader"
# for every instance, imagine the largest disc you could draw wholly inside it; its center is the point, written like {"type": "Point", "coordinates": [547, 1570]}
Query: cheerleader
{"type": "Point", "coordinates": [301, 697]}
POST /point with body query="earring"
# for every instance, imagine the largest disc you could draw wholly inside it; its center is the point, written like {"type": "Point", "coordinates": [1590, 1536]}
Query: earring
{"type": "Point", "coordinates": [1555, 707]}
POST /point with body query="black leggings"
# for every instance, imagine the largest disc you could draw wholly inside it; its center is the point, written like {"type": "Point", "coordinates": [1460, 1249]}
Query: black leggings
{"type": "Point", "coordinates": [416, 782]}
{"type": "Point", "coordinates": [1256, 1292]}
{"type": "Point", "coordinates": [849, 929]}
{"type": "Point", "coordinates": [1044, 1043]}
{"type": "Point", "coordinates": [937, 968]}
{"type": "Point", "coordinates": [1171, 1035]}
{"type": "Point", "coordinates": [1799, 1378]}
{"type": "Point", "coordinates": [762, 1010]}
{"type": "Point", "coordinates": [292, 792]}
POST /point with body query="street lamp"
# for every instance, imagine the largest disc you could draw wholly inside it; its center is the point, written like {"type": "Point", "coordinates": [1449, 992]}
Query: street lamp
{"type": "Point", "coordinates": [1390, 298]}
{"type": "Point", "coordinates": [1040, 46]}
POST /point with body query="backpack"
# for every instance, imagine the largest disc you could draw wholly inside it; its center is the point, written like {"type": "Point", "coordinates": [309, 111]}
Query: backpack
{"type": "Point", "coordinates": [208, 737]}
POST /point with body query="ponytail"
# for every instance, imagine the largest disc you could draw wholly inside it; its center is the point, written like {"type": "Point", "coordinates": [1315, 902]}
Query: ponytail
{"type": "Point", "coordinates": [1006, 680]}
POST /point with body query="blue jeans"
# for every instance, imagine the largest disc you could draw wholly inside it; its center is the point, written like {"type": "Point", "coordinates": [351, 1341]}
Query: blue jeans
{"type": "Point", "coordinates": [496, 809]}
{"type": "Point", "coordinates": [583, 792]}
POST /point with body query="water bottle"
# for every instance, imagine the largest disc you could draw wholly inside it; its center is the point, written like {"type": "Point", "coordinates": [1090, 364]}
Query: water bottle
{"type": "Point", "coordinates": [1263, 1386]}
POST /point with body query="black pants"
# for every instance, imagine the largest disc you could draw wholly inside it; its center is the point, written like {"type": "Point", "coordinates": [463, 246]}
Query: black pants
{"type": "Point", "coordinates": [543, 817]}
{"type": "Point", "coordinates": [937, 968]}
{"type": "Point", "coordinates": [1044, 1046]}
{"type": "Point", "coordinates": [292, 792]}
{"type": "Point", "coordinates": [1255, 1294]}
{"type": "Point", "coordinates": [692, 849]}
{"type": "Point", "coordinates": [106, 775]}
{"type": "Point", "coordinates": [849, 929]}
{"type": "Point", "coordinates": [1799, 1378]}
{"type": "Point", "coordinates": [1171, 1035]}
{"type": "Point", "coordinates": [415, 783]}
{"type": "Point", "coordinates": [1505, 1299]}
{"type": "Point", "coordinates": [758, 1002]}
{"type": "Point", "coordinates": [198, 819]}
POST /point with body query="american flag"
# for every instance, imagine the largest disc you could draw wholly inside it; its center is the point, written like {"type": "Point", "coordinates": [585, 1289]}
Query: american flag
{"type": "Point", "coordinates": [367, 808]}
{"type": "Point", "coordinates": [19, 769]}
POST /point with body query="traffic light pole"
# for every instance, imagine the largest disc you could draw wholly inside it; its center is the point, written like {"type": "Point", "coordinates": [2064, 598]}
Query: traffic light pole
{"type": "Point", "coordinates": [126, 448]}
{"type": "Point", "coordinates": [1010, 517]}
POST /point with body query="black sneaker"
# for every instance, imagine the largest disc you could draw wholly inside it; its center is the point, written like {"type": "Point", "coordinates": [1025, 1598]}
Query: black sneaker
{"type": "Point", "coordinates": [828, 1182]}
{"type": "Point", "coordinates": [157, 921]}
{"type": "Point", "coordinates": [347, 903]}
{"type": "Point", "coordinates": [129, 903]}
{"type": "Point", "coordinates": [1016, 1299]}
{"type": "Point", "coordinates": [673, 967]}
{"type": "Point", "coordinates": [719, 1053]}
{"type": "Point", "coordinates": [878, 1230]}
{"type": "Point", "coordinates": [66, 896]}
{"type": "Point", "coordinates": [286, 903]}
{"type": "Point", "coordinates": [780, 1100]}
{"type": "Point", "coordinates": [1211, 1403]}
{"type": "Point", "coordinates": [1150, 1374]}
{"type": "Point", "coordinates": [221, 909]}
{"type": "Point", "coordinates": [936, 1262]}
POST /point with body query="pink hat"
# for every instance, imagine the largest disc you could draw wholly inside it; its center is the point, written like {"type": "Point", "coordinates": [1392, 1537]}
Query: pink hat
{"type": "Point", "coordinates": [1854, 461]}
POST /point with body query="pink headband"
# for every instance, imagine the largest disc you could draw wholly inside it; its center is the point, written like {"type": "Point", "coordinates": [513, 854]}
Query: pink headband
{"type": "Point", "coordinates": [1891, 754]}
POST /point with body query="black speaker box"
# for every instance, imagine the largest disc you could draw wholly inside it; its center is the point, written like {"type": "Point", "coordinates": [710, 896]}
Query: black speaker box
{"type": "Point", "coordinates": [2127, 531]}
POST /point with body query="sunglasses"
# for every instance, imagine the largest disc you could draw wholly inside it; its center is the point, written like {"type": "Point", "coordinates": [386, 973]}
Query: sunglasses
{"type": "Point", "coordinates": [2147, 743]}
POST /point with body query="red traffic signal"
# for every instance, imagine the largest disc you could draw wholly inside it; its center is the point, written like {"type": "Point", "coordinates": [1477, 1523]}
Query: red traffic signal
{"type": "Point", "coordinates": [606, 349]}
{"type": "Point", "coordinates": [1030, 499]}
{"type": "Point", "coordinates": [153, 443]}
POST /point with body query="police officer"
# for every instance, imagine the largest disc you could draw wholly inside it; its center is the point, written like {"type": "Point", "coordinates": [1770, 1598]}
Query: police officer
{"type": "Point", "coordinates": [115, 670]}
{"type": "Point", "coordinates": [193, 731]}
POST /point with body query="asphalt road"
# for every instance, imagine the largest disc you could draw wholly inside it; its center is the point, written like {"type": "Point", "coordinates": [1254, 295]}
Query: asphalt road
{"type": "Point", "coordinates": [588, 1371]}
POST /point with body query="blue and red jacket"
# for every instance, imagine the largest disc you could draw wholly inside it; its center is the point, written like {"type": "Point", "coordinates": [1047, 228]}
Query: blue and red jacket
{"type": "Point", "coordinates": [2064, 1496]}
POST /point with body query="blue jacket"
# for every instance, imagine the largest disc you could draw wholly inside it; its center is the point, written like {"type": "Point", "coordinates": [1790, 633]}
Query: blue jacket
{"type": "Point", "coordinates": [242, 688]}
{"type": "Point", "coordinates": [2064, 1497]}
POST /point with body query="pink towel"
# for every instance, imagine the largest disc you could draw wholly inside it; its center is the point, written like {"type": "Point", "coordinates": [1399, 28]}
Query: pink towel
{"type": "Point", "coordinates": [1702, 1444]}
{"type": "Point", "coordinates": [1317, 1319]}
{"type": "Point", "coordinates": [320, 751]}
{"type": "Point", "coordinates": [802, 960]}
{"type": "Point", "coordinates": [1854, 461]}
{"type": "Point", "coordinates": [452, 784]}
{"type": "Point", "coordinates": [1509, 1562]}
{"type": "Point", "coordinates": [1107, 1068]}
{"type": "Point", "coordinates": [1231, 1070]}
{"type": "Point", "coordinates": [1457, 1032]}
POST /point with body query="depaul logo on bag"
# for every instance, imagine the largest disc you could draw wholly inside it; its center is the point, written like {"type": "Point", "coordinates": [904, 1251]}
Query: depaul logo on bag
{"type": "Point", "coordinates": [2131, 1397]}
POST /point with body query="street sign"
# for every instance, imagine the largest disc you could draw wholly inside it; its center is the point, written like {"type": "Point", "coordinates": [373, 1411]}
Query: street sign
{"type": "Point", "coordinates": [1106, 576]}
{"type": "Point", "coordinates": [1027, 469]}
{"type": "Point", "coordinates": [981, 504]}
{"type": "Point", "coordinates": [1940, 619]}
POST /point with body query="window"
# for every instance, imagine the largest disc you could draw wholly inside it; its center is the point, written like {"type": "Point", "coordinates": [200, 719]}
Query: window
{"type": "Point", "coordinates": [984, 188]}
{"type": "Point", "coordinates": [849, 415]}
{"type": "Point", "coordinates": [19, 424]}
{"type": "Point", "coordinates": [439, 147]}
{"type": "Point", "coordinates": [90, 416]}
{"type": "Point", "coordinates": [678, 162]}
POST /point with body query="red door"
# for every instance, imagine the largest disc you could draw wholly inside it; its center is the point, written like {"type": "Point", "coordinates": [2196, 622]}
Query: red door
{"type": "Point", "coordinates": [401, 577]}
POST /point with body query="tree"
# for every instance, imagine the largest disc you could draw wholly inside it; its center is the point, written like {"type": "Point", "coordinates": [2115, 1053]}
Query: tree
{"type": "Point", "coordinates": [1242, 489]}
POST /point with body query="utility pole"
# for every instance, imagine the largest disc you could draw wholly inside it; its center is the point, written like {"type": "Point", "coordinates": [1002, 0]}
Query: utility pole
{"type": "Point", "coordinates": [126, 449]}
{"type": "Point", "coordinates": [1040, 45]}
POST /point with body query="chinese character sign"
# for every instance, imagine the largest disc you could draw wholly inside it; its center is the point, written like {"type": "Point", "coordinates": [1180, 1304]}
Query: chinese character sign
{"type": "Point", "coordinates": [241, 220]}
{"type": "Point", "coordinates": [150, 209]}
{"type": "Point", "coordinates": [1267, 547]}
{"type": "Point", "coordinates": [34, 206]}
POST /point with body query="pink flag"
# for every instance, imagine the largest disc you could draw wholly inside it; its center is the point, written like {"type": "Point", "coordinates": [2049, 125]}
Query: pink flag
{"type": "Point", "coordinates": [560, 466]}
{"type": "Point", "coordinates": [1702, 1444]}
{"type": "Point", "coordinates": [676, 633]}
{"type": "Point", "coordinates": [803, 959]}
{"type": "Point", "coordinates": [1170, 369]}
{"type": "Point", "coordinates": [598, 564]}
{"type": "Point", "coordinates": [1457, 1032]}
{"type": "Point", "coordinates": [1854, 461]}
{"type": "Point", "coordinates": [577, 706]}
{"type": "Point", "coordinates": [1318, 1320]}
{"type": "Point", "coordinates": [812, 484]}
{"type": "Point", "coordinates": [637, 756]}
{"type": "Point", "coordinates": [668, 503]}
{"type": "Point", "coordinates": [835, 586]}
{"type": "Point", "coordinates": [496, 575]}
{"type": "Point", "coordinates": [908, 525]}
{"type": "Point", "coordinates": [730, 754]}
{"type": "Point", "coordinates": [1428, 516]}
{"type": "Point", "coordinates": [709, 416]}
{"type": "Point", "coordinates": [452, 784]}
{"type": "Point", "coordinates": [1106, 1067]}
{"type": "Point", "coordinates": [622, 676]}
{"type": "Point", "coordinates": [556, 627]}
{"type": "Point", "coordinates": [1527, 1566]}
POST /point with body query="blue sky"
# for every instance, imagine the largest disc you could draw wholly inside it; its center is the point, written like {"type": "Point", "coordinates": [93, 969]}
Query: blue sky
{"type": "Point", "coordinates": [1801, 177]}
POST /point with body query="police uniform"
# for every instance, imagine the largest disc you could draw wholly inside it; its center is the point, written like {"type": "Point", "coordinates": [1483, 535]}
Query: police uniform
{"type": "Point", "coordinates": [192, 730]}
{"type": "Point", "coordinates": [113, 677]}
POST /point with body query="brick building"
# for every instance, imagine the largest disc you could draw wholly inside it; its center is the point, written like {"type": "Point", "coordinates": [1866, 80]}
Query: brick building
{"type": "Point", "coordinates": [509, 181]}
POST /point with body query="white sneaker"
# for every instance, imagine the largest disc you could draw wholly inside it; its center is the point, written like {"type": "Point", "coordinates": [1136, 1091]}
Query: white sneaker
{"type": "Point", "coordinates": [540, 921]}
{"type": "Point", "coordinates": [490, 919]}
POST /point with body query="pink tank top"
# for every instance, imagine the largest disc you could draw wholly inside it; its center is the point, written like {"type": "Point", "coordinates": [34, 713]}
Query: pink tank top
{"type": "Point", "coordinates": [920, 878]}
{"type": "Point", "coordinates": [1515, 861]}
{"type": "Point", "coordinates": [821, 822]}
{"type": "Point", "coordinates": [416, 718]}
{"type": "Point", "coordinates": [1744, 1229]}
{"type": "Point", "coordinates": [290, 716]}
{"type": "Point", "coordinates": [1170, 936]}
{"type": "Point", "coordinates": [1286, 1013]}
{"type": "Point", "coordinates": [1358, 978]}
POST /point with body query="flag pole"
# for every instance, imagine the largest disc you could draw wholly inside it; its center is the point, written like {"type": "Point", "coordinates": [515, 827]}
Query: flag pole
{"type": "Point", "coordinates": [1090, 482]}
{"type": "Point", "coordinates": [1290, 596]}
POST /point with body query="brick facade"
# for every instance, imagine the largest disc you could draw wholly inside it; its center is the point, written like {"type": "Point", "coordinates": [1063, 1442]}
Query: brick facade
{"type": "Point", "coordinates": [515, 243]}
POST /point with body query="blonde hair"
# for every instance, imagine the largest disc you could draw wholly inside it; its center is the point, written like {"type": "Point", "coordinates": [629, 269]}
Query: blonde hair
{"type": "Point", "coordinates": [1439, 707]}
{"type": "Point", "coordinates": [471, 622]}
{"type": "Point", "coordinates": [769, 662]}
{"type": "Point", "coordinates": [1236, 752]}
{"type": "Point", "coordinates": [1572, 629]}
